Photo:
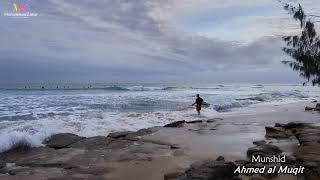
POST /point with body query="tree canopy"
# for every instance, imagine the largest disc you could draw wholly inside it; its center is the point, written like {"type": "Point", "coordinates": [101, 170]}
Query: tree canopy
{"type": "Point", "coordinates": [304, 48]}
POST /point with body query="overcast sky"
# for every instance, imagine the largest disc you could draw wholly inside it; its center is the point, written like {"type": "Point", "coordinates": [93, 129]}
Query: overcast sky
{"type": "Point", "coordinates": [209, 41]}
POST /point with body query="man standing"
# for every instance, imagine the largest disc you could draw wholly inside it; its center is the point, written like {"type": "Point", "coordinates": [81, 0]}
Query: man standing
{"type": "Point", "coordinates": [198, 103]}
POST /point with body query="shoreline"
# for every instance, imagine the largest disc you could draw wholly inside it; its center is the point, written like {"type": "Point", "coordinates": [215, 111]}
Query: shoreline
{"type": "Point", "coordinates": [153, 152]}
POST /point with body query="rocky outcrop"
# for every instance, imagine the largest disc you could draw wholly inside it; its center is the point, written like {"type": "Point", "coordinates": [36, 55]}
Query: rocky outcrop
{"type": "Point", "coordinates": [210, 169]}
{"type": "Point", "coordinates": [68, 156]}
{"type": "Point", "coordinates": [258, 143]}
{"type": "Point", "coordinates": [307, 108]}
{"type": "Point", "coordinates": [264, 150]}
{"type": "Point", "coordinates": [63, 140]}
{"type": "Point", "coordinates": [176, 124]}
{"type": "Point", "coordinates": [277, 132]}
{"type": "Point", "coordinates": [308, 153]}
{"type": "Point", "coordinates": [317, 108]}
{"type": "Point", "coordinates": [117, 135]}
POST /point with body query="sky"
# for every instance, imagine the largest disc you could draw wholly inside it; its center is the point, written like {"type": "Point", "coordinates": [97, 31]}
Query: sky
{"type": "Point", "coordinates": [151, 41]}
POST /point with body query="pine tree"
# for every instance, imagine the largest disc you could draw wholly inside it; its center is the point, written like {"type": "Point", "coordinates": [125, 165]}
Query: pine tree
{"type": "Point", "coordinates": [304, 48]}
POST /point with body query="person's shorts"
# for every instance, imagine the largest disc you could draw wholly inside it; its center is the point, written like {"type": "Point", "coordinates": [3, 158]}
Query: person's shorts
{"type": "Point", "coordinates": [198, 108]}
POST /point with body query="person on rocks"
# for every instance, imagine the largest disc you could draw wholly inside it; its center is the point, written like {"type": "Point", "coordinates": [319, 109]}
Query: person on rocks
{"type": "Point", "coordinates": [198, 103]}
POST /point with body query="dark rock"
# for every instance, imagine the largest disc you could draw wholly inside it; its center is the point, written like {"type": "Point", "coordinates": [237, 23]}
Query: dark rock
{"type": "Point", "coordinates": [293, 125]}
{"type": "Point", "coordinates": [309, 108]}
{"type": "Point", "coordinates": [4, 170]}
{"type": "Point", "coordinates": [277, 132]}
{"type": "Point", "coordinates": [176, 124]}
{"type": "Point", "coordinates": [194, 122]}
{"type": "Point", "coordinates": [258, 143]}
{"type": "Point", "coordinates": [317, 107]}
{"type": "Point", "coordinates": [241, 162]}
{"type": "Point", "coordinates": [279, 125]}
{"type": "Point", "coordinates": [174, 146]}
{"type": "Point", "coordinates": [63, 140]}
{"type": "Point", "coordinates": [117, 135]}
{"type": "Point", "coordinates": [220, 158]}
{"type": "Point", "coordinates": [172, 176]}
{"type": "Point", "coordinates": [264, 150]}
{"type": "Point", "coordinates": [209, 169]}
{"type": "Point", "coordinates": [291, 160]}
{"type": "Point", "coordinates": [271, 175]}
{"type": "Point", "coordinates": [12, 172]}
{"type": "Point", "coordinates": [211, 121]}
{"type": "Point", "coordinates": [314, 101]}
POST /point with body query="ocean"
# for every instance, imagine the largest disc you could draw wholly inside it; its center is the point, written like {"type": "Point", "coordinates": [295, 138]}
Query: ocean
{"type": "Point", "coordinates": [29, 114]}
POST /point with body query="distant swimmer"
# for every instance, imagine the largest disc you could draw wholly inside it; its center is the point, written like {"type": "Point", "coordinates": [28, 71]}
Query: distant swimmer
{"type": "Point", "coordinates": [198, 103]}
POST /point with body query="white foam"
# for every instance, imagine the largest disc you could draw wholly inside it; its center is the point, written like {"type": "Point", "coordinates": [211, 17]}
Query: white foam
{"type": "Point", "coordinates": [11, 139]}
{"type": "Point", "coordinates": [33, 133]}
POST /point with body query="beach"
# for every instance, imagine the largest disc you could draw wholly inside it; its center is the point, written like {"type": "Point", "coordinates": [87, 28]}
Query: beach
{"type": "Point", "coordinates": [152, 153]}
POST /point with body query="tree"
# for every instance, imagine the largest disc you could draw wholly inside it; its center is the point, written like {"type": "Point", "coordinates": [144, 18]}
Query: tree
{"type": "Point", "coordinates": [305, 47]}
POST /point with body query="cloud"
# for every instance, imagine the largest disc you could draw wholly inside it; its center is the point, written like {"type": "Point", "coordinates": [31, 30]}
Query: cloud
{"type": "Point", "coordinates": [126, 38]}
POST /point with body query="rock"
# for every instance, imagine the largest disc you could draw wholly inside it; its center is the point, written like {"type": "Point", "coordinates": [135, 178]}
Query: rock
{"type": "Point", "coordinates": [4, 170]}
{"type": "Point", "coordinates": [277, 132]}
{"type": "Point", "coordinates": [12, 172]}
{"type": "Point", "coordinates": [147, 131]}
{"type": "Point", "coordinates": [279, 125]}
{"type": "Point", "coordinates": [220, 158]}
{"type": "Point", "coordinates": [63, 140]}
{"type": "Point", "coordinates": [177, 124]}
{"type": "Point", "coordinates": [209, 169]}
{"type": "Point", "coordinates": [258, 143]}
{"type": "Point", "coordinates": [211, 121]}
{"type": "Point", "coordinates": [271, 175]}
{"type": "Point", "coordinates": [314, 101]}
{"type": "Point", "coordinates": [264, 150]}
{"type": "Point", "coordinates": [97, 142]}
{"type": "Point", "coordinates": [317, 107]}
{"type": "Point", "coordinates": [48, 157]}
{"type": "Point", "coordinates": [241, 162]}
{"type": "Point", "coordinates": [120, 144]}
{"type": "Point", "coordinates": [172, 176]}
{"type": "Point", "coordinates": [291, 160]}
{"type": "Point", "coordinates": [194, 122]}
{"type": "Point", "coordinates": [135, 136]}
{"type": "Point", "coordinates": [309, 108]}
{"type": "Point", "coordinates": [117, 135]}
{"type": "Point", "coordinates": [294, 125]}
{"type": "Point", "coordinates": [174, 146]}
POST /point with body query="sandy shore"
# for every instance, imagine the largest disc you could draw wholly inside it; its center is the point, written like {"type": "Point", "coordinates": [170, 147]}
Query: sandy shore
{"type": "Point", "coordinates": [150, 154]}
{"type": "Point", "coordinates": [230, 137]}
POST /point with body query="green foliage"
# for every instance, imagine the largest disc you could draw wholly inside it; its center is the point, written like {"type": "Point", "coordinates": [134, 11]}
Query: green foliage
{"type": "Point", "coordinates": [303, 48]}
